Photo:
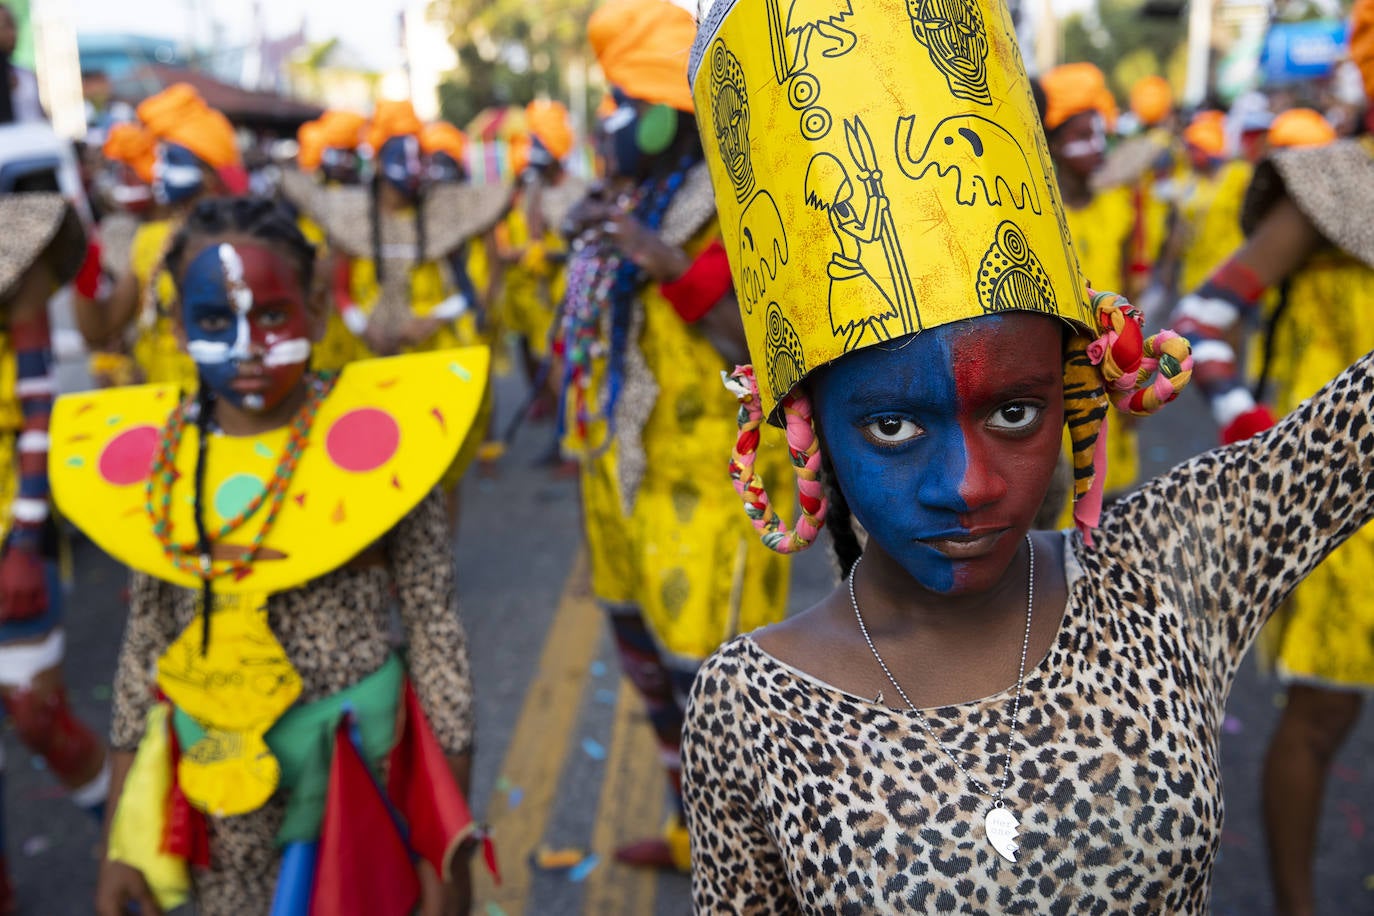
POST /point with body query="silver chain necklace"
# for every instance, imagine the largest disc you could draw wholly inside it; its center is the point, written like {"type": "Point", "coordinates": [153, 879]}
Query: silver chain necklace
{"type": "Point", "coordinates": [1000, 824]}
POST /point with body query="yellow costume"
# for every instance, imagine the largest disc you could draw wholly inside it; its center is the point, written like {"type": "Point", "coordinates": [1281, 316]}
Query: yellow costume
{"type": "Point", "coordinates": [532, 287]}
{"type": "Point", "coordinates": [156, 350]}
{"type": "Point", "coordinates": [351, 481]}
{"type": "Point", "coordinates": [1325, 632]}
{"type": "Point", "coordinates": [682, 551]}
{"type": "Point", "coordinates": [1210, 214]}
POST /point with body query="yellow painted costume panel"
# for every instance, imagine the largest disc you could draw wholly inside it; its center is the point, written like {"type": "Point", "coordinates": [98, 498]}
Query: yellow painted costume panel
{"type": "Point", "coordinates": [827, 185]}
{"type": "Point", "coordinates": [686, 554]}
{"type": "Point", "coordinates": [1325, 632]}
{"type": "Point", "coordinates": [381, 441]}
{"type": "Point", "coordinates": [11, 422]}
{"type": "Point", "coordinates": [159, 356]}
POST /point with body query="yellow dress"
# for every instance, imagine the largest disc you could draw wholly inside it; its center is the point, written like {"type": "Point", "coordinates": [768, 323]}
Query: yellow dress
{"type": "Point", "coordinates": [1100, 232]}
{"type": "Point", "coordinates": [159, 356]}
{"type": "Point", "coordinates": [686, 554]}
{"type": "Point", "coordinates": [531, 288]}
{"type": "Point", "coordinates": [1325, 632]}
{"type": "Point", "coordinates": [1211, 217]}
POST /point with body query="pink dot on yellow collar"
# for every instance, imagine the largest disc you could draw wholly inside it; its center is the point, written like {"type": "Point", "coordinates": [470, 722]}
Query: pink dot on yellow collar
{"type": "Point", "coordinates": [363, 439]}
{"type": "Point", "coordinates": [128, 458]}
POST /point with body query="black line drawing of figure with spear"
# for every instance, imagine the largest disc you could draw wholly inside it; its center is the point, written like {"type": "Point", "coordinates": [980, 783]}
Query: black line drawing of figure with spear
{"type": "Point", "coordinates": [860, 215]}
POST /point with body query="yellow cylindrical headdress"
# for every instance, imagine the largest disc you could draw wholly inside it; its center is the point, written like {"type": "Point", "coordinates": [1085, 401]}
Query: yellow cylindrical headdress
{"type": "Point", "coordinates": [879, 169]}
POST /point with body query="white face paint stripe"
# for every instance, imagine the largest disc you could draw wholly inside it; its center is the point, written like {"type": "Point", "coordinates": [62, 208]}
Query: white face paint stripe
{"type": "Point", "coordinates": [287, 353]}
{"type": "Point", "coordinates": [240, 297]}
{"type": "Point", "coordinates": [207, 352]}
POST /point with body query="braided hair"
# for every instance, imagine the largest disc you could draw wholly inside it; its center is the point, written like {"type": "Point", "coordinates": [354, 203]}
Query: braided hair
{"type": "Point", "coordinates": [375, 216]}
{"type": "Point", "coordinates": [267, 221]}
{"type": "Point", "coordinates": [257, 217]}
{"type": "Point", "coordinates": [839, 522]}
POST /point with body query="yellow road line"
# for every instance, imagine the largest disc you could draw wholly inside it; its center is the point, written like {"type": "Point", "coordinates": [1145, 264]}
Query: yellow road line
{"type": "Point", "coordinates": [539, 746]}
{"type": "Point", "coordinates": [631, 807]}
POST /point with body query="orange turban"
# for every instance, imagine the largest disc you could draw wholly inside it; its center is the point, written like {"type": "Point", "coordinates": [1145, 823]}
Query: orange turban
{"type": "Point", "coordinates": [1362, 43]}
{"type": "Point", "coordinates": [1152, 100]}
{"type": "Point", "coordinates": [1071, 89]}
{"type": "Point", "coordinates": [1207, 133]}
{"type": "Point", "coordinates": [132, 145]}
{"type": "Point", "coordinates": [642, 47]}
{"type": "Point", "coordinates": [549, 123]}
{"type": "Point", "coordinates": [393, 119]}
{"type": "Point", "coordinates": [179, 115]}
{"type": "Point", "coordinates": [1301, 127]}
{"type": "Point", "coordinates": [341, 129]}
{"type": "Point", "coordinates": [443, 137]}
{"type": "Point", "coordinates": [311, 149]}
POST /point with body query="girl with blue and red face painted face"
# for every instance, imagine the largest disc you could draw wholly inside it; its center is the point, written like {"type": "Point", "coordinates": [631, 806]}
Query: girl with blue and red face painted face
{"type": "Point", "coordinates": [969, 678]}
{"type": "Point", "coordinates": [248, 313]}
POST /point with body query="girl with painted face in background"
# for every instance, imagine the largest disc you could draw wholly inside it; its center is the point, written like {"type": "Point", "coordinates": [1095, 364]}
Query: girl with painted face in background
{"type": "Point", "coordinates": [644, 334]}
{"type": "Point", "coordinates": [979, 717]}
{"type": "Point", "coordinates": [1308, 251]}
{"type": "Point", "coordinates": [237, 484]}
{"type": "Point", "coordinates": [196, 156]}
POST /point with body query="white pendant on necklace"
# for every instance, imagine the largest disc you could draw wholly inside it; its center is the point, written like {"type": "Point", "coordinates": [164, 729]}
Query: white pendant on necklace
{"type": "Point", "coordinates": [1001, 826]}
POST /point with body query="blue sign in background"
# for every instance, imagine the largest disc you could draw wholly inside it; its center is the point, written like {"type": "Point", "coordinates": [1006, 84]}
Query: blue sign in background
{"type": "Point", "coordinates": [1297, 51]}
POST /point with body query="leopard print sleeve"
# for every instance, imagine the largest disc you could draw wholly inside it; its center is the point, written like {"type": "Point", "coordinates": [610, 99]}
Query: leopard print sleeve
{"type": "Point", "coordinates": [736, 868]}
{"type": "Point", "coordinates": [423, 569]}
{"type": "Point", "coordinates": [150, 628]}
{"type": "Point", "coordinates": [1232, 532]}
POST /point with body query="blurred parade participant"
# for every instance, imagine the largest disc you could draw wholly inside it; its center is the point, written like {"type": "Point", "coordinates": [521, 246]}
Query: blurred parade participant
{"type": "Point", "coordinates": [262, 750]}
{"type": "Point", "coordinates": [528, 243]}
{"type": "Point", "coordinates": [328, 155]}
{"type": "Point", "coordinates": [43, 249]}
{"type": "Point", "coordinates": [1307, 232]}
{"type": "Point", "coordinates": [445, 150]}
{"type": "Point", "coordinates": [197, 157]}
{"type": "Point", "coordinates": [19, 101]}
{"type": "Point", "coordinates": [126, 189]}
{"type": "Point", "coordinates": [392, 238]}
{"type": "Point", "coordinates": [1108, 234]}
{"type": "Point", "coordinates": [1207, 226]}
{"type": "Point", "coordinates": [672, 562]}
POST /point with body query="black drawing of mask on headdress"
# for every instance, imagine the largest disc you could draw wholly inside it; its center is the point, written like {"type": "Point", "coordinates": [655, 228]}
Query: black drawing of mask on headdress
{"type": "Point", "coordinates": [1012, 277]}
{"type": "Point", "coordinates": [954, 34]}
{"type": "Point", "coordinates": [731, 116]}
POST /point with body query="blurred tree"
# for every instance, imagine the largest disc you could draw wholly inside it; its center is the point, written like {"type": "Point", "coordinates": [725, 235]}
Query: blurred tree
{"type": "Point", "coordinates": [511, 51]}
{"type": "Point", "coordinates": [1126, 44]}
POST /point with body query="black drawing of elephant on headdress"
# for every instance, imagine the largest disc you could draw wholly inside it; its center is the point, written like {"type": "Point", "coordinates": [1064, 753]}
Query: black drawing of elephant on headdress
{"type": "Point", "coordinates": [971, 146]}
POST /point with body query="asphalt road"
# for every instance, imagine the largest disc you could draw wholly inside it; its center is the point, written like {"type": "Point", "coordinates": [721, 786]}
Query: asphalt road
{"type": "Point", "coordinates": [563, 759]}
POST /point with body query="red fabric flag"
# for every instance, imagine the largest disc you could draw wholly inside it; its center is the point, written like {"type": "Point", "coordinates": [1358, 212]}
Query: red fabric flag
{"type": "Point", "coordinates": [423, 789]}
{"type": "Point", "coordinates": [184, 831]}
{"type": "Point", "coordinates": [364, 865]}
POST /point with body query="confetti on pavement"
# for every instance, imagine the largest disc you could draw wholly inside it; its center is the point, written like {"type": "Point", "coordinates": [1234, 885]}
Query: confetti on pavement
{"type": "Point", "coordinates": [581, 870]}
{"type": "Point", "coordinates": [593, 749]}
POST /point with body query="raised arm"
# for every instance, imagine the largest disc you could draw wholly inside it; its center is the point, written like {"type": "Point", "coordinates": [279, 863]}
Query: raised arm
{"type": "Point", "coordinates": [1216, 316]}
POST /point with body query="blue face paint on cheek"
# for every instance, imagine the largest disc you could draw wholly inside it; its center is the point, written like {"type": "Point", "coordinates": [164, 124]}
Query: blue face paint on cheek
{"type": "Point", "coordinates": [211, 322]}
{"type": "Point", "coordinates": [904, 492]}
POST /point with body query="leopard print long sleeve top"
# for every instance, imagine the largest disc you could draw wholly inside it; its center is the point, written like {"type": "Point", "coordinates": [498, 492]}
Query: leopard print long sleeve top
{"type": "Point", "coordinates": [334, 629]}
{"type": "Point", "coordinates": [804, 799]}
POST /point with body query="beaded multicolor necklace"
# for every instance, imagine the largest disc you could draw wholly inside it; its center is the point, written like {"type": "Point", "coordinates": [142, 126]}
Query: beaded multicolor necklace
{"type": "Point", "coordinates": [187, 556]}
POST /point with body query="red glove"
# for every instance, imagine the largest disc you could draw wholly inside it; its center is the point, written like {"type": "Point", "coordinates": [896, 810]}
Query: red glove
{"type": "Point", "coordinates": [88, 277]}
{"type": "Point", "coordinates": [1255, 420]}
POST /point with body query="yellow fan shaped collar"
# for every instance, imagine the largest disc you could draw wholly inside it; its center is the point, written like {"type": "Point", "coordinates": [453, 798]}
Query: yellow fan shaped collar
{"type": "Point", "coordinates": [381, 441]}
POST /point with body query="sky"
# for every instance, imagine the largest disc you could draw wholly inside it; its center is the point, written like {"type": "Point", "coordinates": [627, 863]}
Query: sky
{"type": "Point", "coordinates": [367, 26]}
